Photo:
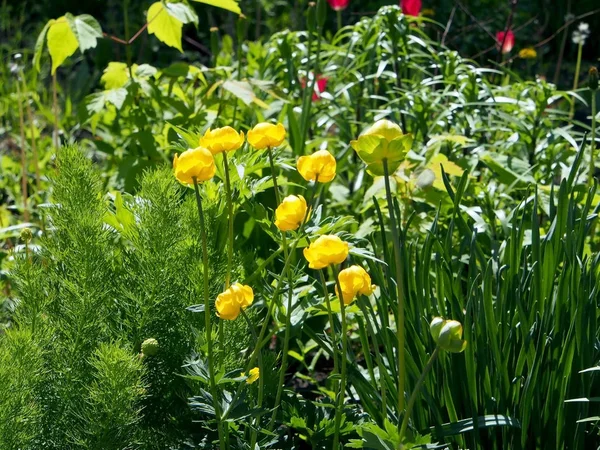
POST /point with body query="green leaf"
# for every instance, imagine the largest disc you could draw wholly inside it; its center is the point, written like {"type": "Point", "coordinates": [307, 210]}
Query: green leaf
{"type": "Point", "coordinates": [39, 45]}
{"type": "Point", "coordinates": [463, 426]}
{"type": "Point", "coordinates": [115, 75]}
{"type": "Point", "coordinates": [87, 30]}
{"type": "Point", "coordinates": [182, 12]}
{"type": "Point", "coordinates": [164, 26]}
{"type": "Point", "coordinates": [229, 5]}
{"type": "Point", "coordinates": [243, 91]}
{"type": "Point", "coordinates": [62, 42]}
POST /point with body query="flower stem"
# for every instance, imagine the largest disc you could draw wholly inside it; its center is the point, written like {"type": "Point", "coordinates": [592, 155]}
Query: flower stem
{"type": "Point", "coordinates": [576, 80]}
{"type": "Point", "coordinates": [413, 396]}
{"type": "Point", "coordinates": [288, 311]}
{"type": "Point", "coordinates": [207, 324]}
{"type": "Point", "coordinates": [400, 290]}
{"type": "Point", "coordinates": [261, 376]}
{"type": "Point", "coordinates": [23, 154]}
{"type": "Point", "coordinates": [339, 19]}
{"type": "Point", "coordinates": [341, 392]}
{"type": "Point", "coordinates": [593, 143]}
{"type": "Point", "coordinates": [331, 323]}
{"type": "Point", "coordinates": [230, 220]}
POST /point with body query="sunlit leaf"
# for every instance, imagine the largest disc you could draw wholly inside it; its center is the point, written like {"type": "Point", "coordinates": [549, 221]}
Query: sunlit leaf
{"type": "Point", "coordinates": [62, 42]}
{"type": "Point", "coordinates": [164, 26]}
{"type": "Point", "coordinates": [230, 5]}
{"type": "Point", "coordinates": [115, 75]}
{"type": "Point", "coordinates": [87, 30]}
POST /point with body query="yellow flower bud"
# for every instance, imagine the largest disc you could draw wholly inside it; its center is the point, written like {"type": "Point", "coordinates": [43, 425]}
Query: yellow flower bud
{"type": "Point", "coordinates": [383, 141]}
{"type": "Point", "coordinates": [354, 281]}
{"type": "Point", "coordinates": [528, 53]}
{"type": "Point", "coordinates": [265, 135]}
{"type": "Point", "coordinates": [290, 214]}
{"type": "Point", "coordinates": [448, 335]}
{"type": "Point", "coordinates": [220, 140]}
{"type": "Point", "coordinates": [252, 376]}
{"type": "Point", "coordinates": [326, 250]}
{"type": "Point", "coordinates": [320, 166]}
{"type": "Point", "coordinates": [233, 300]}
{"type": "Point", "coordinates": [195, 163]}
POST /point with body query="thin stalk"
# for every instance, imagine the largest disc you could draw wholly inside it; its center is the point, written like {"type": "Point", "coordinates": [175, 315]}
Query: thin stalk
{"type": "Point", "coordinates": [342, 389]}
{"type": "Point", "coordinates": [400, 289]}
{"type": "Point", "coordinates": [23, 155]}
{"type": "Point", "coordinates": [593, 144]}
{"type": "Point", "coordinates": [576, 80]}
{"type": "Point", "coordinates": [207, 324]}
{"type": "Point", "coordinates": [55, 111]}
{"type": "Point", "coordinates": [288, 311]}
{"type": "Point", "coordinates": [38, 177]}
{"type": "Point", "coordinates": [261, 376]}
{"type": "Point", "coordinates": [331, 323]}
{"type": "Point", "coordinates": [339, 19]}
{"type": "Point", "coordinates": [230, 221]}
{"type": "Point", "coordinates": [413, 396]}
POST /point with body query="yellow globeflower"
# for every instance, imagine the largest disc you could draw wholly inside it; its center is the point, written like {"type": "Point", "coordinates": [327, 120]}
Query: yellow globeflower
{"type": "Point", "coordinates": [354, 281]}
{"type": "Point", "coordinates": [448, 334]}
{"type": "Point", "coordinates": [193, 164]}
{"type": "Point", "coordinates": [383, 141]}
{"type": "Point", "coordinates": [528, 53]}
{"type": "Point", "coordinates": [320, 164]}
{"type": "Point", "coordinates": [252, 376]}
{"type": "Point", "coordinates": [327, 249]}
{"type": "Point", "coordinates": [290, 214]}
{"type": "Point", "coordinates": [233, 300]}
{"type": "Point", "coordinates": [220, 140]}
{"type": "Point", "coordinates": [265, 135]}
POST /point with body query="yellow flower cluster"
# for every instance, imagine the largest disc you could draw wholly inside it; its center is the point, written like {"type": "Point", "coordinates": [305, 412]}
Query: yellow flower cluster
{"type": "Point", "coordinates": [198, 164]}
{"type": "Point", "coordinates": [236, 298]}
{"type": "Point", "coordinates": [354, 281]}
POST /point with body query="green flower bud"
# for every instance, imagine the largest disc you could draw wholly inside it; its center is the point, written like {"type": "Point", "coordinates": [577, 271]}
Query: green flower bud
{"type": "Point", "coordinates": [150, 347]}
{"type": "Point", "coordinates": [26, 235]}
{"type": "Point", "coordinates": [448, 335]}
{"type": "Point", "coordinates": [311, 19]}
{"type": "Point", "coordinates": [593, 80]}
{"type": "Point", "coordinates": [321, 13]}
{"type": "Point", "coordinates": [214, 41]}
{"type": "Point", "coordinates": [384, 140]}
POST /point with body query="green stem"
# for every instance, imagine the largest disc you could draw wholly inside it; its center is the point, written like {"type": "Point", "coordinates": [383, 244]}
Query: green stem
{"type": "Point", "coordinates": [339, 19]}
{"type": "Point", "coordinates": [400, 289]}
{"type": "Point", "coordinates": [230, 221]}
{"type": "Point", "coordinates": [207, 324]}
{"type": "Point", "coordinates": [576, 80]}
{"type": "Point", "coordinates": [342, 389]}
{"type": "Point", "coordinates": [261, 376]}
{"type": "Point", "coordinates": [413, 396]}
{"type": "Point", "coordinates": [288, 312]}
{"type": "Point", "coordinates": [593, 144]}
{"type": "Point", "coordinates": [331, 323]}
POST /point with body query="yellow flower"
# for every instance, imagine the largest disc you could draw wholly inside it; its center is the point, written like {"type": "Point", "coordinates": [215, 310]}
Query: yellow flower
{"type": "Point", "coordinates": [290, 214]}
{"type": "Point", "coordinates": [265, 135]}
{"type": "Point", "coordinates": [528, 53]}
{"type": "Point", "coordinates": [354, 281]}
{"type": "Point", "coordinates": [383, 141]}
{"type": "Point", "coordinates": [233, 300]}
{"type": "Point", "coordinates": [220, 140]}
{"type": "Point", "coordinates": [197, 163]}
{"type": "Point", "coordinates": [327, 249]}
{"type": "Point", "coordinates": [448, 334]}
{"type": "Point", "coordinates": [320, 164]}
{"type": "Point", "coordinates": [252, 376]}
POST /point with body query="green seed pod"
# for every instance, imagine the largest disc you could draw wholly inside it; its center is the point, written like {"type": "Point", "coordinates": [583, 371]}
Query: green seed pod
{"type": "Point", "coordinates": [150, 347]}
{"type": "Point", "coordinates": [26, 235]}
{"type": "Point", "coordinates": [593, 80]}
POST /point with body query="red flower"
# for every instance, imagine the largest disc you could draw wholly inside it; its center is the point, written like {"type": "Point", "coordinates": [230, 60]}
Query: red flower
{"type": "Point", "coordinates": [338, 5]}
{"type": "Point", "coordinates": [320, 86]}
{"type": "Point", "coordinates": [411, 7]}
{"type": "Point", "coordinates": [506, 42]}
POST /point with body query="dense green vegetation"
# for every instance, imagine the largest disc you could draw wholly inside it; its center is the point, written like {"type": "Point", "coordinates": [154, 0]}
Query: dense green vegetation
{"type": "Point", "coordinates": [153, 304]}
